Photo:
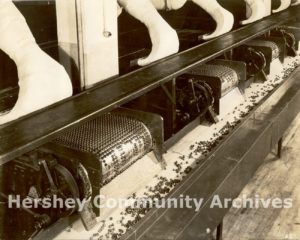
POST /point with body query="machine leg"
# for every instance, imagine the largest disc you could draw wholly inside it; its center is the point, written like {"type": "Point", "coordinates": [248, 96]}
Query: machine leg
{"type": "Point", "coordinates": [279, 148]}
{"type": "Point", "coordinates": [219, 231]}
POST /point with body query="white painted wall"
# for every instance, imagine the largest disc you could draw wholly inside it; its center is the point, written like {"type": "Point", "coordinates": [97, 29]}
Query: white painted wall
{"type": "Point", "coordinates": [81, 25]}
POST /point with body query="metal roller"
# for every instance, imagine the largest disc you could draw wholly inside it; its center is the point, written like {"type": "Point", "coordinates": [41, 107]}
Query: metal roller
{"type": "Point", "coordinates": [229, 78]}
{"type": "Point", "coordinates": [289, 40]}
{"type": "Point", "coordinates": [117, 141]}
{"type": "Point", "coordinates": [265, 43]}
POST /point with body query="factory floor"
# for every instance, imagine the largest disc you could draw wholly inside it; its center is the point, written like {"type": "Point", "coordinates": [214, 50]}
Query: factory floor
{"type": "Point", "coordinates": [276, 178]}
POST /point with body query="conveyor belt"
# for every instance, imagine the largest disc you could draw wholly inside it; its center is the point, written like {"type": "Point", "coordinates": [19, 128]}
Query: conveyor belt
{"type": "Point", "coordinates": [266, 43]}
{"type": "Point", "coordinates": [229, 78]}
{"type": "Point", "coordinates": [227, 170]}
{"type": "Point", "coordinates": [34, 130]}
{"type": "Point", "coordinates": [116, 140]}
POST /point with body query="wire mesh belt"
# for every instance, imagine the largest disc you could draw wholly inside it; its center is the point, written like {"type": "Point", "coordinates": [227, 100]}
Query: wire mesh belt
{"type": "Point", "coordinates": [117, 140]}
{"type": "Point", "coordinates": [266, 43]}
{"type": "Point", "coordinates": [229, 77]}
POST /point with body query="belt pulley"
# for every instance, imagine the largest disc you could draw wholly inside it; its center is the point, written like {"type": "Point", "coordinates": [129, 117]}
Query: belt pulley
{"type": "Point", "coordinates": [289, 40]}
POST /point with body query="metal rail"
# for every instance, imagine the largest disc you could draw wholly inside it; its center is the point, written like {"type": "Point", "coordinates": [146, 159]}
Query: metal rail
{"type": "Point", "coordinates": [36, 129]}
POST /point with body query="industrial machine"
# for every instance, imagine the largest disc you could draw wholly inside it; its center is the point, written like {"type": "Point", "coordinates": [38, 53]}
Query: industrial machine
{"type": "Point", "coordinates": [109, 125]}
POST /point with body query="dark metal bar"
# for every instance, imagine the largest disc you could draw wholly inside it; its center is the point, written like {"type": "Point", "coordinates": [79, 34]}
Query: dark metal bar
{"type": "Point", "coordinates": [279, 148]}
{"type": "Point", "coordinates": [36, 129]}
{"type": "Point", "coordinates": [219, 231]}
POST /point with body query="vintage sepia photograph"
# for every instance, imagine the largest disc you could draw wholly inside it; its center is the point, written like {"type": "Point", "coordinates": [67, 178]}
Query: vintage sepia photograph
{"type": "Point", "coordinates": [149, 119]}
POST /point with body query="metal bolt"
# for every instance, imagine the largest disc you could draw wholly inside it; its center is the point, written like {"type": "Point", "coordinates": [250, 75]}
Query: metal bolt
{"type": "Point", "coordinates": [107, 34]}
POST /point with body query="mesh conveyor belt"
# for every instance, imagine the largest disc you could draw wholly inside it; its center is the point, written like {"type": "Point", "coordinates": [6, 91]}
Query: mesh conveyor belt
{"type": "Point", "coordinates": [228, 76]}
{"type": "Point", "coordinates": [266, 43]}
{"type": "Point", "coordinates": [117, 140]}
